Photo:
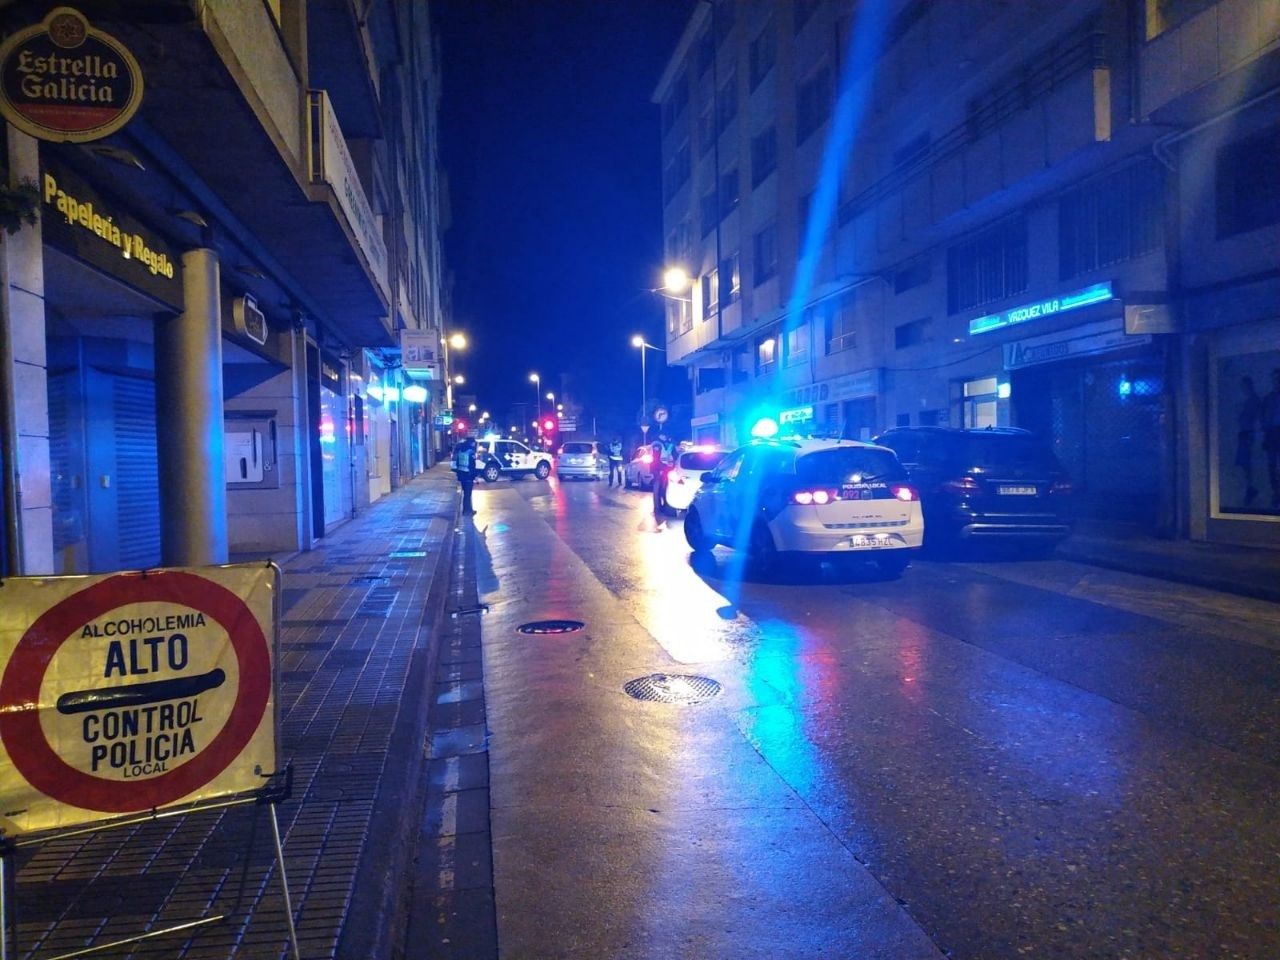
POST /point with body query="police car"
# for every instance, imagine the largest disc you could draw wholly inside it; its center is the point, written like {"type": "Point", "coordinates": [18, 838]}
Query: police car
{"type": "Point", "coordinates": [836, 499]}
{"type": "Point", "coordinates": [511, 458]}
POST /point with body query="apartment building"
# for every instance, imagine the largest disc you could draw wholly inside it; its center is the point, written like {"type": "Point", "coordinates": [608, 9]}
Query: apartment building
{"type": "Point", "coordinates": [1058, 216]}
{"type": "Point", "coordinates": [203, 325]}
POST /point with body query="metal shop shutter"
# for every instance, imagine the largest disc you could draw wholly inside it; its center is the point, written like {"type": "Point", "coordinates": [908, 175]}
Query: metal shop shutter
{"type": "Point", "coordinates": [138, 483]}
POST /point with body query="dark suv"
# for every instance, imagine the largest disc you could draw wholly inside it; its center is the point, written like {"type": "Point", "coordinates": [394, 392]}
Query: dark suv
{"type": "Point", "coordinates": [998, 484]}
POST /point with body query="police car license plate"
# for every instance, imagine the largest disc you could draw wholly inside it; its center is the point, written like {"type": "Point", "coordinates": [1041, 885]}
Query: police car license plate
{"type": "Point", "coordinates": [1017, 491]}
{"type": "Point", "coordinates": [861, 542]}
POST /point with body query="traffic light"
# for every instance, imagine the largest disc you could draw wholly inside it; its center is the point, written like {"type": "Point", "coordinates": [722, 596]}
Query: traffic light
{"type": "Point", "coordinates": [460, 426]}
{"type": "Point", "coordinates": [548, 425]}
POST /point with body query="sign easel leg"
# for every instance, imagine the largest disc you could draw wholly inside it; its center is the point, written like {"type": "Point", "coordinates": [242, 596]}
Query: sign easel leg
{"type": "Point", "coordinates": [4, 900]}
{"type": "Point", "coordinates": [284, 882]}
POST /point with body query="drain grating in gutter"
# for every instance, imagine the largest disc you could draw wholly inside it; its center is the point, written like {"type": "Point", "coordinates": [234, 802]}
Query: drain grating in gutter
{"type": "Point", "coordinates": [406, 554]}
{"type": "Point", "coordinates": [672, 688]}
{"type": "Point", "coordinates": [376, 581]}
{"type": "Point", "coordinates": [538, 627]}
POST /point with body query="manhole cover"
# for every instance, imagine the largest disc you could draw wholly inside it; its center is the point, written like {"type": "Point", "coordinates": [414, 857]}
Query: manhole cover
{"type": "Point", "coordinates": [672, 688]}
{"type": "Point", "coordinates": [550, 626]}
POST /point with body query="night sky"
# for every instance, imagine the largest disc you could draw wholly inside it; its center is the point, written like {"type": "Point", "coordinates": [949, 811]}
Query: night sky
{"type": "Point", "coordinates": [552, 150]}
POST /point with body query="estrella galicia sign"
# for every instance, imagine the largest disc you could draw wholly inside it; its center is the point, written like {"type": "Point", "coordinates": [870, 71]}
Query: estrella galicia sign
{"type": "Point", "coordinates": [62, 80]}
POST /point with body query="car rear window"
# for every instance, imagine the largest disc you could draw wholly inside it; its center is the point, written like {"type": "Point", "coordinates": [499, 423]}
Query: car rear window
{"type": "Point", "coordinates": [997, 450]}
{"type": "Point", "coordinates": [841, 464]}
{"type": "Point", "coordinates": [701, 460]}
{"type": "Point", "coordinates": [577, 448]}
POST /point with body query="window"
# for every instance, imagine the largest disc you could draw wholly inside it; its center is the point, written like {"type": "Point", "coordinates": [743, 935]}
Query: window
{"type": "Point", "coordinates": [912, 334]}
{"type": "Point", "coordinates": [763, 52]}
{"type": "Point", "coordinates": [741, 363]}
{"type": "Point", "coordinates": [680, 92]}
{"type": "Point", "coordinates": [912, 275]}
{"type": "Point", "coordinates": [766, 354]}
{"type": "Point", "coordinates": [710, 292]}
{"type": "Point", "coordinates": [764, 155]}
{"type": "Point", "coordinates": [911, 151]}
{"type": "Point", "coordinates": [729, 192]}
{"type": "Point", "coordinates": [727, 102]}
{"type": "Point", "coordinates": [797, 345]}
{"type": "Point", "coordinates": [709, 215]}
{"type": "Point", "coordinates": [722, 16]}
{"type": "Point", "coordinates": [729, 271]}
{"type": "Point", "coordinates": [1248, 183]}
{"type": "Point", "coordinates": [706, 131]}
{"type": "Point", "coordinates": [677, 172]}
{"type": "Point", "coordinates": [841, 322]}
{"type": "Point", "coordinates": [803, 209]}
{"type": "Point", "coordinates": [804, 10]}
{"type": "Point", "coordinates": [813, 103]}
{"type": "Point", "coordinates": [708, 378]}
{"type": "Point", "coordinates": [1109, 220]}
{"type": "Point", "coordinates": [765, 248]}
{"type": "Point", "coordinates": [706, 52]}
{"type": "Point", "coordinates": [680, 243]}
{"type": "Point", "coordinates": [988, 267]}
{"type": "Point", "coordinates": [1163, 15]}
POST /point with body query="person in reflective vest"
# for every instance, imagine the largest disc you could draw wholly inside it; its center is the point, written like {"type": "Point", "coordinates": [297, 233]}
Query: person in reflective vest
{"type": "Point", "coordinates": [464, 465]}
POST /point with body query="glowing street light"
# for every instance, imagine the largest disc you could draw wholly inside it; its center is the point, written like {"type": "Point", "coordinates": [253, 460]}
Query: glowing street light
{"type": "Point", "coordinates": [537, 398]}
{"type": "Point", "coordinates": [459, 342]}
{"type": "Point", "coordinates": [639, 343]}
{"type": "Point", "coordinates": [676, 280]}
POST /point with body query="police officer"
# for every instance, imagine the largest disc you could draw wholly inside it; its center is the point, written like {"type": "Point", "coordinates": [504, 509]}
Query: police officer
{"type": "Point", "coordinates": [664, 457]}
{"type": "Point", "coordinates": [464, 465]}
{"type": "Point", "coordinates": [615, 462]}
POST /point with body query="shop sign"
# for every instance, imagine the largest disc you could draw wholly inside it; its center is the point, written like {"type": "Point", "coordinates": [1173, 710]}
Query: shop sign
{"type": "Point", "coordinates": [418, 353]}
{"type": "Point", "coordinates": [62, 80]}
{"type": "Point", "coordinates": [331, 163]}
{"type": "Point", "coordinates": [705, 420]}
{"type": "Point", "coordinates": [128, 692]}
{"type": "Point", "coordinates": [1101, 337]}
{"type": "Point", "coordinates": [248, 320]}
{"type": "Point", "coordinates": [795, 415]}
{"type": "Point", "coordinates": [864, 383]}
{"type": "Point", "coordinates": [1098, 293]}
{"type": "Point", "coordinates": [82, 223]}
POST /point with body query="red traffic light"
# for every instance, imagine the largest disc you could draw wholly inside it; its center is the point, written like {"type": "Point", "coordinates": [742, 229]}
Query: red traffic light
{"type": "Point", "coordinates": [461, 426]}
{"type": "Point", "coordinates": [548, 425]}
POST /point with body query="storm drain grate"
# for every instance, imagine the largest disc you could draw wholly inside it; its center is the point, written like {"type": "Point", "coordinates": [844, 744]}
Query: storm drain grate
{"type": "Point", "coordinates": [356, 581]}
{"type": "Point", "coordinates": [406, 554]}
{"type": "Point", "coordinates": [672, 688]}
{"type": "Point", "coordinates": [538, 627]}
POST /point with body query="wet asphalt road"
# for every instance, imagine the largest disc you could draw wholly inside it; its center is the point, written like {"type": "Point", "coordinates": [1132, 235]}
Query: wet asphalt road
{"type": "Point", "coordinates": [981, 759]}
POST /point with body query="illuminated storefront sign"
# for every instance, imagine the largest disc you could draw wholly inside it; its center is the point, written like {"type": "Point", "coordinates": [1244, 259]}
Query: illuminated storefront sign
{"type": "Point", "coordinates": [85, 225]}
{"type": "Point", "coordinates": [62, 80]}
{"type": "Point", "coordinates": [795, 415]}
{"type": "Point", "coordinates": [1098, 293]}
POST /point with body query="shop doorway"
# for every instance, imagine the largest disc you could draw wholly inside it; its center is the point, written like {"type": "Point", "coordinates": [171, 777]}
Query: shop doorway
{"type": "Point", "coordinates": [1106, 424]}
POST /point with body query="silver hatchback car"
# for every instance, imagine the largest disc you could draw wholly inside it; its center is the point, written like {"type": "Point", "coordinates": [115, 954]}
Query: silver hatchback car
{"type": "Point", "coordinates": [581, 460]}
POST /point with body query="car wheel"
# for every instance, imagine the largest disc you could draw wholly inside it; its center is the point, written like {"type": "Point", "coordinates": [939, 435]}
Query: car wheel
{"type": "Point", "coordinates": [491, 473]}
{"type": "Point", "coordinates": [764, 552]}
{"type": "Point", "coordinates": [892, 564]}
{"type": "Point", "coordinates": [542, 470]}
{"type": "Point", "coordinates": [695, 535]}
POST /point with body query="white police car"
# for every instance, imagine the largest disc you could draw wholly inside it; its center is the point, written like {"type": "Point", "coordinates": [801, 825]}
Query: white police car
{"type": "Point", "coordinates": [511, 458]}
{"type": "Point", "coordinates": [838, 499]}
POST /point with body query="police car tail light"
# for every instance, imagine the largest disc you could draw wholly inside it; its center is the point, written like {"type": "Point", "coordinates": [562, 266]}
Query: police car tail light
{"type": "Point", "coordinates": [1060, 488]}
{"type": "Point", "coordinates": [904, 492]}
{"type": "Point", "coordinates": [816, 497]}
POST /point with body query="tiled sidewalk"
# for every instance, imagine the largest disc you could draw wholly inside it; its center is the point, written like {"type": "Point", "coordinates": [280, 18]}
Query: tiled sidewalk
{"type": "Point", "coordinates": [357, 645]}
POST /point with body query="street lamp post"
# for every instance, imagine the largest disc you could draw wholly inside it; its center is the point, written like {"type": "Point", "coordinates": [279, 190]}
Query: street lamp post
{"type": "Point", "coordinates": [537, 399]}
{"type": "Point", "coordinates": [458, 342]}
{"type": "Point", "coordinates": [639, 342]}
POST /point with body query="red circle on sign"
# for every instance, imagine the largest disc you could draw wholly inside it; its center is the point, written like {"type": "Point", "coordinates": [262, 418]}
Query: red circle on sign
{"type": "Point", "coordinates": [20, 691]}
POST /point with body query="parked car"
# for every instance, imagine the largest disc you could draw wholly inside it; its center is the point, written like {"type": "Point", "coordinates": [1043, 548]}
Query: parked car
{"type": "Point", "coordinates": [992, 484]}
{"type": "Point", "coordinates": [511, 458]}
{"type": "Point", "coordinates": [819, 498]}
{"type": "Point", "coordinates": [640, 471]}
{"type": "Point", "coordinates": [582, 460]}
{"type": "Point", "coordinates": [684, 479]}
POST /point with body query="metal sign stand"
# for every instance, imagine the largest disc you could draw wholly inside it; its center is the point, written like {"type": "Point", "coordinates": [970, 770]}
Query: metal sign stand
{"type": "Point", "coordinates": [270, 796]}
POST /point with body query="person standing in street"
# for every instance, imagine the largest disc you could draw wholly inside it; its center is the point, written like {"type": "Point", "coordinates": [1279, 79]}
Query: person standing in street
{"type": "Point", "coordinates": [464, 465]}
{"type": "Point", "coordinates": [615, 463]}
